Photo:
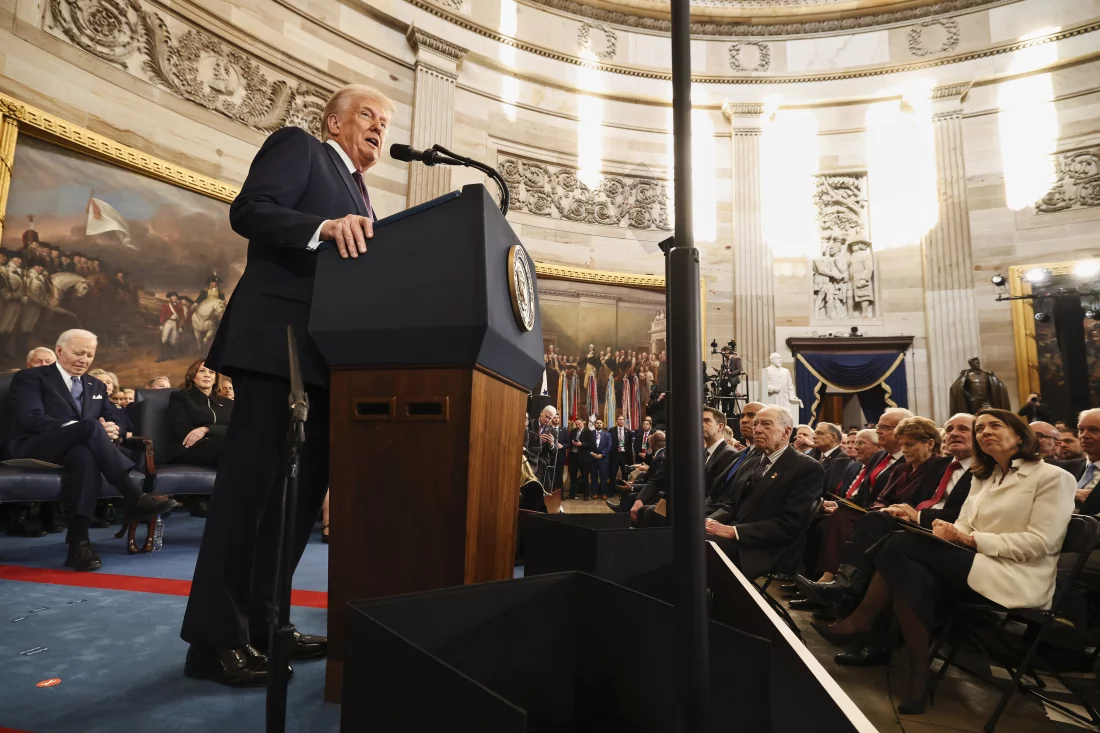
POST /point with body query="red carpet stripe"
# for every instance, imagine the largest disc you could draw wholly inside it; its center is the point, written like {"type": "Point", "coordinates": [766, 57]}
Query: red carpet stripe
{"type": "Point", "coordinates": [134, 583]}
{"type": "Point", "coordinates": [12, 730]}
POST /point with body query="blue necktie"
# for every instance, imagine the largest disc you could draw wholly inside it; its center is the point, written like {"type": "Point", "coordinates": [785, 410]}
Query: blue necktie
{"type": "Point", "coordinates": [736, 465]}
{"type": "Point", "coordinates": [1085, 479]}
{"type": "Point", "coordinates": [77, 390]}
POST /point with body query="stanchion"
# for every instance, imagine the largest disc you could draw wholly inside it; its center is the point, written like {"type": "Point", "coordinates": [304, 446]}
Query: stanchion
{"type": "Point", "coordinates": [685, 416]}
{"type": "Point", "coordinates": [280, 632]}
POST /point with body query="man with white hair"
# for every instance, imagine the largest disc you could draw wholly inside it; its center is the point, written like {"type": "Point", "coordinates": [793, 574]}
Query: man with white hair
{"type": "Point", "coordinates": [40, 356]}
{"type": "Point", "coordinates": [765, 516]}
{"type": "Point", "coordinates": [299, 193]}
{"type": "Point", "coordinates": [58, 414]}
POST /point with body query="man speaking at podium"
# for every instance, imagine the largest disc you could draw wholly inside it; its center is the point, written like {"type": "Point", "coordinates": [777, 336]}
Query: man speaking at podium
{"type": "Point", "coordinates": [299, 192]}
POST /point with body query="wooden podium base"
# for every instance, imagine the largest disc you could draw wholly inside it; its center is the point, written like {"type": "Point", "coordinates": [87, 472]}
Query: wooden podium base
{"type": "Point", "coordinates": [423, 486]}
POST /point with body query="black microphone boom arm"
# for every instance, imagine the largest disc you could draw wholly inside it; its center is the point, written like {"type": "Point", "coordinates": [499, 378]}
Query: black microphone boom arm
{"type": "Point", "coordinates": [439, 155]}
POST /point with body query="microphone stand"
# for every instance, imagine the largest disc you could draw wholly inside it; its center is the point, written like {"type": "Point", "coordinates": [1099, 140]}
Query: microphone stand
{"type": "Point", "coordinates": [455, 159]}
{"type": "Point", "coordinates": [279, 630]}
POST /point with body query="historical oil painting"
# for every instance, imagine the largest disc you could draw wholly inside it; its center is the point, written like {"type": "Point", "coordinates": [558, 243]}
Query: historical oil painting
{"type": "Point", "coordinates": [146, 265]}
{"type": "Point", "coordinates": [604, 346]}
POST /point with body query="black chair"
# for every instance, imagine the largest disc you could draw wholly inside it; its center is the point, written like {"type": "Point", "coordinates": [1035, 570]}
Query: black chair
{"type": "Point", "coordinates": [1082, 537]}
{"type": "Point", "coordinates": [149, 414]}
{"type": "Point", "coordinates": [787, 564]}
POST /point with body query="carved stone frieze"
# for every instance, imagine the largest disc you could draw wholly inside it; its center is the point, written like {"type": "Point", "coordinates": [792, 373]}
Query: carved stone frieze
{"type": "Point", "coordinates": [1076, 183]}
{"type": "Point", "coordinates": [554, 191]}
{"type": "Point", "coordinates": [586, 40]}
{"type": "Point", "coordinates": [453, 4]}
{"type": "Point", "coordinates": [738, 28]}
{"type": "Point", "coordinates": [844, 274]}
{"type": "Point", "coordinates": [164, 50]}
{"type": "Point", "coordinates": [951, 36]}
{"type": "Point", "coordinates": [420, 39]}
{"type": "Point", "coordinates": [763, 56]}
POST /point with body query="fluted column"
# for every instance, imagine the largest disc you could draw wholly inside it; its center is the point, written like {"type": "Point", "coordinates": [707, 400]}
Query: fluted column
{"type": "Point", "coordinates": [9, 131]}
{"type": "Point", "coordinates": [753, 282]}
{"type": "Point", "coordinates": [950, 313]}
{"type": "Point", "coordinates": [433, 110]}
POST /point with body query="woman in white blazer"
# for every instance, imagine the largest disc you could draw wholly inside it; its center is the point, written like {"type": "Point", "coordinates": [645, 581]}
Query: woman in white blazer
{"type": "Point", "coordinates": [1003, 547]}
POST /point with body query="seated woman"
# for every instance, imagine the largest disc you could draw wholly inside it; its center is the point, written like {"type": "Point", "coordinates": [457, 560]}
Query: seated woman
{"type": "Point", "coordinates": [911, 483]}
{"type": "Point", "coordinates": [199, 418]}
{"type": "Point", "coordinates": [113, 392]}
{"type": "Point", "coordinates": [1003, 547]}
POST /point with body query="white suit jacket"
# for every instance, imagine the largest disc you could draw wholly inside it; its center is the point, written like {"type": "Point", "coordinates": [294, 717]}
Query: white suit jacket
{"type": "Point", "coordinates": [1018, 526]}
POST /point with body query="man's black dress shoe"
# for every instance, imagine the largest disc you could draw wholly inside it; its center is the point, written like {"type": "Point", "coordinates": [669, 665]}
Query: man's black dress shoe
{"type": "Point", "coordinates": [23, 527]}
{"type": "Point", "coordinates": [82, 557]}
{"type": "Point", "coordinates": [826, 594]}
{"type": "Point", "coordinates": [803, 604]}
{"type": "Point", "coordinates": [302, 646]}
{"type": "Point", "coordinates": [870, 655]}
{"type": "Point", "coordinates": [243, 667]}
{"type": "Point", "coordinates": [148, 506]}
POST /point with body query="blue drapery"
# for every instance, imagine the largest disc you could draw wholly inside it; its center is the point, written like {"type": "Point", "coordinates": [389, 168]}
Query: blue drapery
{"type": "Point", "coordinates": [877, 378]}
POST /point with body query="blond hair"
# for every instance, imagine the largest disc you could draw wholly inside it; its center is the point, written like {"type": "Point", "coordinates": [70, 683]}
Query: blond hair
{"type": "Point", "coordinates": [343, 96]}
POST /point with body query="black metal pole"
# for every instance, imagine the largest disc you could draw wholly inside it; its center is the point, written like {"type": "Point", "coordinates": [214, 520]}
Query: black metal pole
{"type": "Point", "coordinates": [685, 422]}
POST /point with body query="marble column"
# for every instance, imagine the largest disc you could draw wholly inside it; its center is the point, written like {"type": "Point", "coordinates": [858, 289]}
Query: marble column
{"type": "Point", "coordinates": [433, 111]}
{"type": "Point", "coordinates": [753, 281]}
{"type": "Point", "coordinates": [950, 312]}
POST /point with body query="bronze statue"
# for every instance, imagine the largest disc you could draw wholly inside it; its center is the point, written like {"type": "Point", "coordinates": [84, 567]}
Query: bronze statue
{"type": "Point", "coordinates": [977, 388]}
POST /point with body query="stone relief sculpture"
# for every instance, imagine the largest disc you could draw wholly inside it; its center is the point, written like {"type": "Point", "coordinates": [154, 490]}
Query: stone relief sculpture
{"type": "Point", "coordinates": [779, 387]}
{"type": "Point", "coordinates": [763, 56]}
{"type": "Point", "coordinates": [1077, 182]}
{"type": "Point", "coordinates": [585, 40]}
{"type": "Point", "coordinates": [554, 191]}
{"type": "Point", "coordinates": [844, 274]}
{"type": "Point", "coordinates": [173, 55]}
{"type": "Point", "coordinates": [951, 36]}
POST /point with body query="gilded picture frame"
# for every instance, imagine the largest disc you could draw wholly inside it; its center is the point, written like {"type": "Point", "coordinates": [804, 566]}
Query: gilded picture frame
{"type": "Point", "coordinates": [1024, 324]}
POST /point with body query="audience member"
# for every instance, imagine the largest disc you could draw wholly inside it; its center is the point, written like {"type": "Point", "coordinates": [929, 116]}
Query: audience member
{"type": "Point", "coordinates": [834, 460]}
{"type": "Point", "coordinates": [226, 389]}
{"type": "Point", "coordinates": [804, 440]}
{"type": "Point", "coordinates": [581, 442]}
{"type": "Point", "coordinates": [641, 440]}
{"type": "Point", "coordinates": [199, 419]}
{"type": "Point", "coordinates": [159, 383]}
{"type": "Point", "coordinates": [1003, 548]}
{"type": "Point", "coordinates": [1048, 441]}
{"type": "Point", "coordinates": [1034, 410]}
{"type": "Point", "coordinates": [58, 414]}
{"type": "Point", "coordinates": [1088, 430]}
{"type": "Point", "coordinates": [643, 511]}
{"type": "Point", "coordinates": [717, 455]}
{"type": "Point", "coordinates": [766, 515]}
{"type": "Point", "coordinates": [40, 356]}
{"type": "Point", "coordinates": [20, 513]}
{"type": "Point", "coordinates": [722, 490]}
{"type": "Point", "coordinates": [622, 451]}
{"type": "Point", "coordinates": [600, 476]}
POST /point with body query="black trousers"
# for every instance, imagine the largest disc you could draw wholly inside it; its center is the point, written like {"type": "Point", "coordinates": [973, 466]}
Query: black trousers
{"type": "Point", "coordinates": [235, 570]}
{"type": "Point", "coordinates": [926, 573]}
{"type": "Point", "coordinates": [870, 529]}
{"type": "Point", "coordinates": [578, 476]}
{"type": "Point", "coordinates": [88, 456]}
{"type": "Point", "coordinates": [207, 452]}
{"type": "Point", "coordinates": [619, 465]}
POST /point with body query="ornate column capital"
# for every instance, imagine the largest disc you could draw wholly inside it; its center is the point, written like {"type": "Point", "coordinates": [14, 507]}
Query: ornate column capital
{"type": "Point", "coordinates": [947, 100]}
{"type": "Point", "coordinates": [433, 51]}
{"type": "Point", "coordinates": [744, 117]}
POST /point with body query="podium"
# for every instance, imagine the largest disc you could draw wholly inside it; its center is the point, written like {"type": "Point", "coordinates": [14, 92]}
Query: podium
{"type": "Point", "coordinates": [430, 368]}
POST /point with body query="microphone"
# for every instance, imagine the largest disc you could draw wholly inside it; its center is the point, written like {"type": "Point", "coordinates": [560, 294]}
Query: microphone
{"type": "Point", "coordinates": [439, 155]}
{"type": "Point", "coordinates": [407, 153]}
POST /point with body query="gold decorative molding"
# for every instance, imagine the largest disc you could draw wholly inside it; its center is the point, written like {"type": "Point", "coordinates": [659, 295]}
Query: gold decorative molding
{"type": "Point", "coordinates": [603, 277]}
{"type": "Point", "coordinates": [52, 128]}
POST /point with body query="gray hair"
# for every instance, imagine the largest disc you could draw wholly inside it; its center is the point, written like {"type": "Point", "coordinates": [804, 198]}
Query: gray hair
{"type": "Point", "coordinates": [958, 414]}
{"type": "Point", "coordinates": [344, 95]}
{"type": "Point", "coordinates": [871, 436]}
{"type": "Point", "coordinates": [36, 349]}
{"type": "Point", "coordinates": [67, 336]}
{"type": "Point", "coordinates": [834, 429]}
{"type": "Point", "coordinates": [1091, 412]}
{"type": "Point", "coordinates": [901, 412]}
{"type": "Point", "coordinates": [549, 409]}
{"type": "Point", "coordinates": [785, 420]}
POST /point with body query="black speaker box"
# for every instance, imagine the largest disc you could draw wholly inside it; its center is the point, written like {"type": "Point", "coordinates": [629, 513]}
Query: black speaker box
{"type": "Point", "coordinates": [604, 545]}
{"type": "Point", "coordinates": [534, 655]}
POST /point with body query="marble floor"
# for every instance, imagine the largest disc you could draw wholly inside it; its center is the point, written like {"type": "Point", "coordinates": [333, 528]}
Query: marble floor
{"type": "Point", "coordinates": [962, 702]}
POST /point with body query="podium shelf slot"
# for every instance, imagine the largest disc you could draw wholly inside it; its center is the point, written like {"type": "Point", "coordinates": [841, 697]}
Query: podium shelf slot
{"type": "Point", "coordinates": [374, 408]}
{"type": "Point", "coordinates": [427, 409]}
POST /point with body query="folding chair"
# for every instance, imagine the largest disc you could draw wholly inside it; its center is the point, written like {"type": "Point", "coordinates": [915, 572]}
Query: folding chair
{"type": "Point", "coordinates": [791, 553]}
{"type": "Point", "coordinates": [1082, 537]}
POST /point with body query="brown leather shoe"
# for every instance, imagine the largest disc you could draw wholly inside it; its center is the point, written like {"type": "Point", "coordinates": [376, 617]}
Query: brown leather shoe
{"type": "Point", "coordinates": [232, 667]}
{"type": "Point", "coordinates": [148, 506]}
{"type": "Point", "coordinates": [82, 557]}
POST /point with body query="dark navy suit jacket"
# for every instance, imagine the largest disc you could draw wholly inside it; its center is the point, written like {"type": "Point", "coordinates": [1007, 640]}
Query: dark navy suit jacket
{"type": "Point", "coordinates": [294, 184]}
{"type": "Point", "coordinates": [602, 446]}
{"type": "Point", "coordinates": [39, 400]}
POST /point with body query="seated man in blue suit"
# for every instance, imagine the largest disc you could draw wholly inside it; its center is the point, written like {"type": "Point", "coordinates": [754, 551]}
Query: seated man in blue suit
{"type": "Point", "coordinates": [58, 414]}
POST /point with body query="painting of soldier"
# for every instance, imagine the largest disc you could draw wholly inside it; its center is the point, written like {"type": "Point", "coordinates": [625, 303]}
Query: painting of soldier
{"type": "Point", "coordinates": [146, 265]}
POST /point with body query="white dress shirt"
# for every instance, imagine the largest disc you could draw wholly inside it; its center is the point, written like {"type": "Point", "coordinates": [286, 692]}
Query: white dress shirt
{"type": "Point", "coordinates": [955, 476]}
{"type": "Point", "coordinates": [711, 449]}
{"type": "Point", "coordinates": [315, 241]}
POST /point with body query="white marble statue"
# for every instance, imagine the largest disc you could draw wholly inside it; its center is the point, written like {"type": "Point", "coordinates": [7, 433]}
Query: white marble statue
{"type": "Point", "coordinates": [779, 387]}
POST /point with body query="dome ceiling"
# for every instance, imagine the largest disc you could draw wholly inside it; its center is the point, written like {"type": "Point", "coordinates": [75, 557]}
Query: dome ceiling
{"type": "Point", "coordinates": [765, 17]}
